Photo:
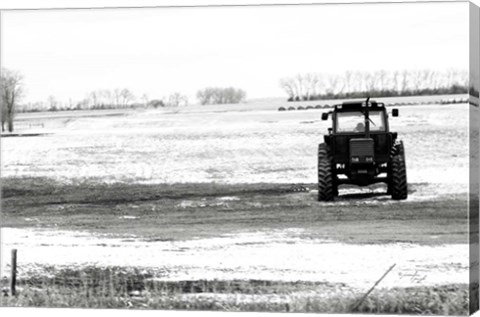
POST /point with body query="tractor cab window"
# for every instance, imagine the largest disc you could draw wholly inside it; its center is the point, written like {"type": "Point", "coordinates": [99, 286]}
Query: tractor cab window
{"type": "Point", "coordinates": [354, 122]}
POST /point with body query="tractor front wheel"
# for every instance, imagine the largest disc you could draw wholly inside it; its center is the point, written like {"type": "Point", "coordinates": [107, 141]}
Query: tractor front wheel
{"type": "Point", "coordinates": [326, 190]}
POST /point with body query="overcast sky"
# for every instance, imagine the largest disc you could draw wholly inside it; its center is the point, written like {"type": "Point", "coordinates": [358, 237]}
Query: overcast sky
{"type": "Point", "coordinates": [67, 53]}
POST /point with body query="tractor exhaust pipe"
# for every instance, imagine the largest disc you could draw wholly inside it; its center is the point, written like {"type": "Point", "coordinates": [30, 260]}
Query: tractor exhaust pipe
{"type": "Point", "coordinates": [367, 118]}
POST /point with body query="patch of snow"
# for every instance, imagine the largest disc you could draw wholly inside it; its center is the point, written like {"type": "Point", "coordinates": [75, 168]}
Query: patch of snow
{"type": "Point", "coordinates": [229, 198]}
{"type": "Point", "coordinates": [276, 255]}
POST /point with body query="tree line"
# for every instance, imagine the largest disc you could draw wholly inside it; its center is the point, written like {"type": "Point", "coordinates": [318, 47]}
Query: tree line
{"type": "Point", "coordinates": [311, 86]}
{"type": "Point", "coordinates": [218, 95]}
{"type": "Point", "coordinates": [12, 91]}
{"type": "Point", "coordinates": [381, 83]}
{"type": "Point", "coordinates": [122, 98]}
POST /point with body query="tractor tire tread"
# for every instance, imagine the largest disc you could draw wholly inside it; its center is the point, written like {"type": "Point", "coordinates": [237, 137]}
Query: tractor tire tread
{"type": "Point", "coordinates": [326, 188]}
{"type": "Point", "coordinates": [398, 184]}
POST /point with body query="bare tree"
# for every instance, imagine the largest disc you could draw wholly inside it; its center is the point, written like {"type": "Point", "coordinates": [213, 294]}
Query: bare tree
{"type": "Point", "coordinates": [117, 93]}
{"type": "Point", "coordinates": [370, 81]}
{"type": "Point", "coordinates": [177, 99]}
{"type": "Point", "coordinates": [425, 79]}
{"type": "Point", "coordinates": [82, 104]}
{"type": "Point", "coordinates": [4, 114]}
{"type": "Point", "coordinates": [405, 81]}
{"type": "Point", "coordinates": [70, 104]}
{"type": "Point", "coordinates": [299, 85]}
{"type": "Point", "coordinates": [435, 80]}
{"type": "Point", "coordinates": [99, 98]}
{"type": "Point", "coordinates": [463, 78]}
{"type": "Point", "coordinates": [450, 76]}
{"type": "Point", "coordinates": [381, 80]}
{"type": "Point", "coordinates": [396, 80]}
{"type": "Point", "coordinates": [417, 80]}
{"type": "Point", "coordinates": [126, 97]}
{"type": "Point", "coordinates": [333, 83]}
{"type": "Point", "coordinates": [204, 96]}
{"type": "Point", "coordinates": [310, 82]}
{"type": "Point", "coordinates": [11, 92]}
{"type": "Point", "coordinates": [348, 81]}
{"type": "Point", "coordinates": [52, 103]}
{"type": "Point", "coordinates": [106, 97]}
{"type": "Point", "coordinates": [287, 85]}
{"type": "Point", "coordinates": [93, 98]}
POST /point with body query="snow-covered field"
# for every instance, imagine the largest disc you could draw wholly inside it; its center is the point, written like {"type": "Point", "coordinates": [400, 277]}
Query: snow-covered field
{"type": "Point", "coordinates": [237, 147]}
{"type": "Point", "coordinates": [227, 147]}
{"type": "Point", "coordinates": [275, 255]}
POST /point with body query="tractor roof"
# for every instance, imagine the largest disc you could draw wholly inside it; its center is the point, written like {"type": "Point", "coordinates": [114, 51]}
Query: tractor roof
{"type": "Point", "coordinates": [358, 105]}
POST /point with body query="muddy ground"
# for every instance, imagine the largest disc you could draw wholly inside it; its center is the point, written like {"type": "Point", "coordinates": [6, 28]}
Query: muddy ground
{"type": "Point", "coordinates": [255, 231]}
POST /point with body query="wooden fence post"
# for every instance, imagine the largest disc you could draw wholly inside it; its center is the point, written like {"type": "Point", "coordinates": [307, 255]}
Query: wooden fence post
{"type": "Point", "coordinates": [13, 277]}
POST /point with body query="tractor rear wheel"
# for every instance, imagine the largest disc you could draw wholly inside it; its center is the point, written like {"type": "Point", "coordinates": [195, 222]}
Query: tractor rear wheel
{"type": "Point", "coordinates": [398, 178]}
{"type": "Point", "coordinates": [326, 190]}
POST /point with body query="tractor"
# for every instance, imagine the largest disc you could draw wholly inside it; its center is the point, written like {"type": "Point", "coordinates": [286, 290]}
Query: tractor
{"type": "Point", "coordinates": [359, 149]}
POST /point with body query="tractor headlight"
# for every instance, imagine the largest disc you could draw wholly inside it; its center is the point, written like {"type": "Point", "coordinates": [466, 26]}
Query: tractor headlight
{"type": "Point", "coordinates": [355, 159]}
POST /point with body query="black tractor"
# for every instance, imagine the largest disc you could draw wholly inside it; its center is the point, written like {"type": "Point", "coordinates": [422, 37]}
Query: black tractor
{"type": "Point", "coordinates": [359, 149]}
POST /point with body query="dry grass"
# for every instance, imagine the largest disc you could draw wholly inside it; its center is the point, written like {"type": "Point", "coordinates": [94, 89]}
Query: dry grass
{"type": "Point", "coordinates": [115, 287]}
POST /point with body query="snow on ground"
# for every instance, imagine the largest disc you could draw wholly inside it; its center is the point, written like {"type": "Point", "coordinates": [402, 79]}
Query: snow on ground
{"type": "Point", "coordinates": [229, 147]}
{"type": "Point", "coordinates": [275, 255]}
{"type": "Point", "coordinates": [238, 147]}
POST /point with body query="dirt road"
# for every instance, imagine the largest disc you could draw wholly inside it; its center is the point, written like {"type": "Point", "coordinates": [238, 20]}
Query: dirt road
{"type": "Point", "coordinates": [238, 232]}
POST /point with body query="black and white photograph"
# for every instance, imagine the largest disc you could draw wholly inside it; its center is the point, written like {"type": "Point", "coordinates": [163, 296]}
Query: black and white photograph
{"type": "Point", "coordinates": [261, 157]}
